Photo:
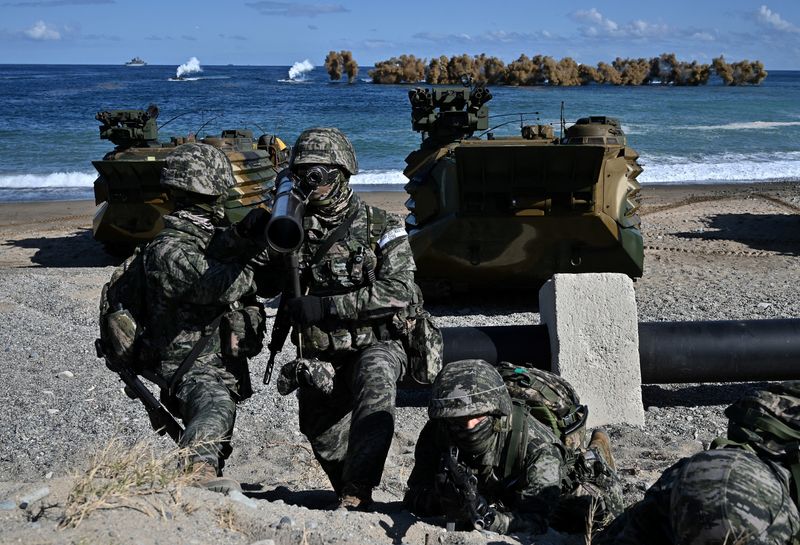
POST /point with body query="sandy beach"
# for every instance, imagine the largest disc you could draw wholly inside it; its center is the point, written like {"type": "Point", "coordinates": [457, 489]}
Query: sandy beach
{"type": "Point", "coordinates": [712, 252]}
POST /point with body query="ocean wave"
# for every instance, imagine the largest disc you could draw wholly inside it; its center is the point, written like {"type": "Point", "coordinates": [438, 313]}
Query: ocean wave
{"type": "Point", "coordinates": [379, 177]}
{"type": "Point", "coordinates": [743, 125]}
{"type": "Point", "coordinates": [55, 179]}
{"type": "Point", "coordinates": [721, 168]}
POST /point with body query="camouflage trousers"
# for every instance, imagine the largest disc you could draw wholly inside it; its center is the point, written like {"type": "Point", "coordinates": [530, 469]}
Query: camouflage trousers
{"type": "Point", "coordinates": [206, 402]}
{"type": "Point", "coordinates": [725, 496]}
{"type": "Point", "coordinates": [351, 430]}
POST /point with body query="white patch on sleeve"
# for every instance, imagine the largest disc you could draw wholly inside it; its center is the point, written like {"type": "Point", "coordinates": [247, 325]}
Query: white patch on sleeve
{"type": "Point", "coordinates": [390, 236]}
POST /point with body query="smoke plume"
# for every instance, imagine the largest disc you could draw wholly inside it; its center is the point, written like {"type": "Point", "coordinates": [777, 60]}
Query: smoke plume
{"type": "Point", "coordinates": [189, 67]}
{"type": "Point", "coordinates": [299, 70]}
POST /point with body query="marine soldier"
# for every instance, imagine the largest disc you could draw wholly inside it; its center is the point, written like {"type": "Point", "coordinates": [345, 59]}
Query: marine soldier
{"type": "Point", "coordinates": [484, 462]}
{"type": "Point", "coordinates": [743, 494]}
{"type": "Point", "coordinates": [358, 281]}
{"type": "Point", "coordinates": [202, 317]}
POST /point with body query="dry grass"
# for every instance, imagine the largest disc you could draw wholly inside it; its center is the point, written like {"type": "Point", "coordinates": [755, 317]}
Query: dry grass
{"type": "Point", "coordinates": [227, 519]}
{"type": "Point", "coordinates": [136, 477]}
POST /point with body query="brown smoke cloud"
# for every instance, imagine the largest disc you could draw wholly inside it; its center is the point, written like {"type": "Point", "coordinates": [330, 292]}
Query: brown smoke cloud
{"type": "Point", "coordinates": [340, 62]}
{"type": "Point", "coordinates": [666, 69]}
{"type": "Point", "coordinates": [402, 69]}
{"type": "Point", "coordinates": [334, 64]}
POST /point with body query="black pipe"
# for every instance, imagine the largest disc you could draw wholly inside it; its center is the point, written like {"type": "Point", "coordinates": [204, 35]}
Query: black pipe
{"type": "Point", "coordinates": [669, 352]}
{"type": "Point", "coordinates": [720, 351]}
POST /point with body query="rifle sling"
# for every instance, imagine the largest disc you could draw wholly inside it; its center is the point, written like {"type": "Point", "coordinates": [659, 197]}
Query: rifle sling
{"type": "Point", "coordinates": [193, 353]}
{"type": "Point", "coordinates": [335, 236]}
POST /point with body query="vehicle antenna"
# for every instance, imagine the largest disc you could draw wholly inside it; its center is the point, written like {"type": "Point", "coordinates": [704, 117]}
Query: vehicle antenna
{"type": "Point", "coordinates": [170, 120]}
{"type": "Point", "coordinates": [203, 126]}
{"type": "Point", "coordinates": [561, 136]}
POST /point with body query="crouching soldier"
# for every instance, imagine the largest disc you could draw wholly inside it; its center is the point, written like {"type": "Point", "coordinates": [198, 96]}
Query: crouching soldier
{"type": "Point", "coordinates": [484, 462]}
{"type": "Point", "coordinates": [197, 308]}
{"type": "Point", "coordinates": [742, 493]}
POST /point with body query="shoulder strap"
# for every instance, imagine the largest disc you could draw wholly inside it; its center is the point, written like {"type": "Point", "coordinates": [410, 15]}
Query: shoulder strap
{"type": "Point", "coordinates": [335, 236]}
{"type": "Point", "coordinates": [513, 455]}
{"type": "Point", "coordinates": [193, 353]}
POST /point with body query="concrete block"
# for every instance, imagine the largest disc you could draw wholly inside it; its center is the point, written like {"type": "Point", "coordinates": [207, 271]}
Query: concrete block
{"type": "Point", "coordinates": [594, 341]}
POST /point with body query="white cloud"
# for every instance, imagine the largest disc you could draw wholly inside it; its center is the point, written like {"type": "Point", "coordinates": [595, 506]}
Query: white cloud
{"type": "Point", "coordinates": [596, 19]}
{"type": "Point", "coordinates": [42, 31]}
{"type": "Point", "coordinates": [771, 19]}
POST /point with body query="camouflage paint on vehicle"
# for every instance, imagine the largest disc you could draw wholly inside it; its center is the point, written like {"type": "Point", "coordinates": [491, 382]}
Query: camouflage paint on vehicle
{"type": "Point", "coordinates": [129, 197]}
{"type": "Point", "coordinates": [511, 211]}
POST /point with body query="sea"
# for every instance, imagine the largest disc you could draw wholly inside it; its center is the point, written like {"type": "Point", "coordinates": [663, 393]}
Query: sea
{"type": "Point", "coordinates": [684, 135]}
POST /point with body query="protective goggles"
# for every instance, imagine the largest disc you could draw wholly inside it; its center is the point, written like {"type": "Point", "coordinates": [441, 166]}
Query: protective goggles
{"type": "Point", "coordinates": [319, 175]}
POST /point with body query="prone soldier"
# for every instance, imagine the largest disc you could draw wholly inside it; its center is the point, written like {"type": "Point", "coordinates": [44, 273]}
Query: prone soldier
{"type": "Point", "coordinates": [484, 462]}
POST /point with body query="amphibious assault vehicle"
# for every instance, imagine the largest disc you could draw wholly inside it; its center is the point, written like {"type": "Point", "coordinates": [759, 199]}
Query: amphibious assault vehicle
{"type": "Point", "coordinates": [489, 212]}
{"type": "Point", "coordinates": [130, 200]}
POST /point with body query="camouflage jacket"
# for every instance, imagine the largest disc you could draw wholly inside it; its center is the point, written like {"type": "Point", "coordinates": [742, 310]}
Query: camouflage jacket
{"type": "Point", "coordinates": [522, 501]}
{"type": "Point", "coordinates": [706, 497]}
{"type": "Point", "coordinates": [186, 290]}
{"type": "Point", "coordinates": [367, 276]}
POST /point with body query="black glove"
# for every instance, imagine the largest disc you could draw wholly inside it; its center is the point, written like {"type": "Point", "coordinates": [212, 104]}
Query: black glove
{"type": "Point", "coordinates": [254, 224]}
{"type": "Point", "coordinates": [307, 310]}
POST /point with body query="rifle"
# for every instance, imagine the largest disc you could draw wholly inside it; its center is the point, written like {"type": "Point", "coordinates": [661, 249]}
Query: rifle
{"type": "Point", "coordinates": [465, 485]}
{"type": "Point", "coordinates": [160, 418]}
{"type": "Point", "coordinates": [282, 324]}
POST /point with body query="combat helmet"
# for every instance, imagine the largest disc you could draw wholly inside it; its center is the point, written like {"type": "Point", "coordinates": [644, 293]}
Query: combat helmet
{"type": "Point", "coordinates": [198, 168]}
{"type": "Point", "coordinates": [469, 388]}
{"type": "Point", "coordinates": [327, 146]}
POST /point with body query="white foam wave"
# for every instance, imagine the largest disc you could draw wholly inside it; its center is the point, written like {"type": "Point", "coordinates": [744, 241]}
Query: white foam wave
{"type": "Point", "coordinates": [742, 126]}
{"type": "Point", "coordinates": [379, 177]}
{"type": "Point", "coordinates": [721, 168]}
{"type": "Point", "coordinates": [55, 179]}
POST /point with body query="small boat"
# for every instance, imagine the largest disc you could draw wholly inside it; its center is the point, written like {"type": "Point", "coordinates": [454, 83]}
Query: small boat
{"type": "Point", "coordinates": [136, 61]}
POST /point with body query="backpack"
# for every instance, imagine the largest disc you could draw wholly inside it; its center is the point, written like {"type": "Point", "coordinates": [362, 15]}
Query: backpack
{"type": "Point", "coordinates": [421, 338]}
{"type": "Point", "coordinates": [549, 399]}
{"type": "Point", "coordinates": [122, 311]}
{"type": "Point", "coordinates": [767, 422]}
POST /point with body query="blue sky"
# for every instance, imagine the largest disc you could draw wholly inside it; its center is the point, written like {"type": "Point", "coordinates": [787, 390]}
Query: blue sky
{"type": "Point", "coordinates": [281, 33]}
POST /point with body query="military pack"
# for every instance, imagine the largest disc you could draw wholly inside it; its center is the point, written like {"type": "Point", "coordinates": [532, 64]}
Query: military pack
{"type": "Point", "coordinates": [548, 398]}
{"type": "Point", "coordinates": [122, 308]}
{"type": "Point", "coordinates": [767, 422]}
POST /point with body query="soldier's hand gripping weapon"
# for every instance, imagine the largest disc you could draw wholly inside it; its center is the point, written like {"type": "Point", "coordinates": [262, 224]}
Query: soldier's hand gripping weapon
{"type": "Point", "coordinates": [160, 418]}
{"type": "Point", "coordinates": [465, 487]}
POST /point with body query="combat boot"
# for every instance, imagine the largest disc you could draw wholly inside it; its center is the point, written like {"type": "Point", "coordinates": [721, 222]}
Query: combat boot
{"type": "Point", "coordinates": [602, 445]}
{"type": "Point", "coordinates": [355, 498]}
{"type": "Point", "coordinates": [204, 475]}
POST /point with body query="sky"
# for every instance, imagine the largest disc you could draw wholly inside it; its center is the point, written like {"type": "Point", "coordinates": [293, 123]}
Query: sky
{"type": "Point", "coordinates": [253, 32]}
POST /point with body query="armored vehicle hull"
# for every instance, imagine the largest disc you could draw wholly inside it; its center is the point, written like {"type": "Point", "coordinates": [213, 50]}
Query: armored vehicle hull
{"type": "Point", "coordinates": [510, 212]}
{"type": "Point", "coordinates": [130, 200]}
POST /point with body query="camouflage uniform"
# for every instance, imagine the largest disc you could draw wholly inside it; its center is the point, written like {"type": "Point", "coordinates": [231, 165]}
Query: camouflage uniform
{"type": "Point", "coordinates": [742, 492]}
{"type": "Point", "coordinates": [547, 483]}
{"type": "Point", "coordinates": [364, 281]}
{"type": "Point", "coordinates": [187, 289]}
{"type": "Point", "coordinates": [714, 497]}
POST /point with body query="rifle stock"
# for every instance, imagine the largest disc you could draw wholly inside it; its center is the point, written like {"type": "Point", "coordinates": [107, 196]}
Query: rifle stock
{"type": "Point", "coordinates": [160, 418]}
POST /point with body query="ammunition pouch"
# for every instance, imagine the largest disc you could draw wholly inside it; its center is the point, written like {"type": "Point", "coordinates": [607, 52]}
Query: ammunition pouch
{"type": "Point", "coordinates": [421, 339]}
{"type": "Point", "coordinates": [340, 339]}
{"type": "Point", "coordinates": [242, 331]}
{"type": "Point", "coordinates": [118, 339]}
